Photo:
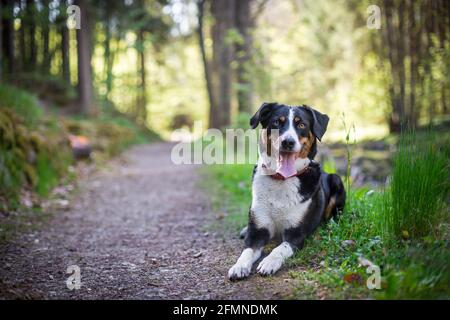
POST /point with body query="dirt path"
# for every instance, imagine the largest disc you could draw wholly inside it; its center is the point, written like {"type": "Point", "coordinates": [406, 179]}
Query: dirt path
{"type": "Point", "coordinates": [137, 231]}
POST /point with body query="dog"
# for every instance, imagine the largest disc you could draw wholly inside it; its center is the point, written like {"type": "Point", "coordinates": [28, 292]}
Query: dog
{"type": "Point", "coordinates": [291, 195]}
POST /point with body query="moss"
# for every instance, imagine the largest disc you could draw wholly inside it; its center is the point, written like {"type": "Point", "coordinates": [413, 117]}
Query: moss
{"type": "Point", "coordinates": [34, 148]}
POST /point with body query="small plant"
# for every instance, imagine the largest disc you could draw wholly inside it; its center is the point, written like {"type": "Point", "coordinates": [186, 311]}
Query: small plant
{"type": "Point", "coordinates": [414, 203]}
{"type": "Point", "coordinates": [348, 148]}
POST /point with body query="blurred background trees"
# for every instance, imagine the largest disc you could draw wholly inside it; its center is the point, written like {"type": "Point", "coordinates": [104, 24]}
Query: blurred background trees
{"type": "Point", "coordinates": [162, 61]}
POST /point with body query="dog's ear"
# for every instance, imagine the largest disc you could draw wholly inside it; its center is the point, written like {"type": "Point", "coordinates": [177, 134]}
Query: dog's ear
{"type": "Point", "coordinates": [320, 122]}
{"type": "Point", "coordinates": [262, 114]}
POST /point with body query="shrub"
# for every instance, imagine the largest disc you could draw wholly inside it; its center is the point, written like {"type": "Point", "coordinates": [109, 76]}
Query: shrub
{"type": "Point", "coordinates": [21, 102]}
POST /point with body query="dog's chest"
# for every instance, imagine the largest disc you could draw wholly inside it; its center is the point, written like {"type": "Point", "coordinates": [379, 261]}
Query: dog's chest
{"type": "Point", "coordinates": [277, 205]}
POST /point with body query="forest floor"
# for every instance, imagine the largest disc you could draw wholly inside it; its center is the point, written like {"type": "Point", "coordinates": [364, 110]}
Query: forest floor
{"type": "Point", "coordinates": [137, 229]}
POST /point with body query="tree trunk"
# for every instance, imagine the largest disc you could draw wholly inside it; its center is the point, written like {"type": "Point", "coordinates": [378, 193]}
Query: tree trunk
{"type": "Point", "coordinates": [414, 42]}
{"type": "Point", "coordinates": [142, 98]}
{"type": "Point", "coordinates": [46, 37]}
{"type": "Point", "coordinates": [223, 12]}
{"type": "Point", "coordinates": [65, 56]}
{"type": "Point", "coordinates": [22, 36]}
{"type": "Point", "coordinates": [108, 55]}
{"type": "Point", "coordinates": [31, 23]}
{"type": "Point", "coordinates": [64, 45]}
{"type": "Point", "coordinates": [206, 63]}
{"type": "Point", "coordinates": [389, 37]}
{"type": "Point", "coordinates": [243, 54]}
{"type": "Point", "coordinates": [84, 60]}
{"type": "Point", "coordinates": [8, 36]}
{"type": "Point", "coordinates": [1, 42]}
{"type": "Point", "coordinates": [401, 61]}
{"type": "Point", "coordinates": [442, 28]}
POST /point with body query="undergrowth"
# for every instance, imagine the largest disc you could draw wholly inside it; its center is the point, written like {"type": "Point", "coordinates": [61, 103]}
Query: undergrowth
{"type": "Point", "coordinates": [34, 148]}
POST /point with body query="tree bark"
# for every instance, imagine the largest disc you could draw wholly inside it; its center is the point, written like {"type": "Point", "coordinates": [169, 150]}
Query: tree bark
{"type": "Point", "coordinates": [46, 37]}
{"type": "Point", "coordinates": [8, 37]}
{"type": "Point", "coordinates": [414, 42]}
{"type": "Point", "coordinates": [206, 63]}
{"type": "Point", "coordinates": [244, 53]}
{"type": "Point", "coordinates": [22, 35]}
{"type": "Point", "coordinates": [1, 42]}
{"type": "Point", "coordinates": [31, 23]}
{"type": "Point", "coordinates": [84, 60]}
{"type": "Point", "coordinates": [65, 56]}
{"type": "Point", "coordinates": [142, 98]}
{"type": "Point", "coordinates": [395, 116]}
{"type": "Point", "coordinates": [108, 55]}
{"type": "Point", "coordinates": [223, 12]}
{"type": "Point", "coordinates": [401, 60]}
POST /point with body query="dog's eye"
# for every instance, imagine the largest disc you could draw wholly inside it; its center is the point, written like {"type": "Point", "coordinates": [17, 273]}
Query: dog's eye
{"type": "Point", "coordinates": [301, 126]}
{"type": "Point", "coordinates": [276, 123]}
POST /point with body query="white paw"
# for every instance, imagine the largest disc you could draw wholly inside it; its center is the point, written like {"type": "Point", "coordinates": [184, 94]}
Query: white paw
{"type": "Point", "coordinates": [269, 265]}
{"type": "Point", "coordinates": [239, 271]}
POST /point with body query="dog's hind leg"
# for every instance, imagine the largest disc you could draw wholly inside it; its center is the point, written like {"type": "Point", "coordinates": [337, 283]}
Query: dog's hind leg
{"type": "Point", "coordinates": [337, 195]}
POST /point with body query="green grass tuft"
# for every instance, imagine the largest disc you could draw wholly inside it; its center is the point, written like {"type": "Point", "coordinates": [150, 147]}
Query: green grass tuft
{"type": "Point", "coordinates": [414, 203]}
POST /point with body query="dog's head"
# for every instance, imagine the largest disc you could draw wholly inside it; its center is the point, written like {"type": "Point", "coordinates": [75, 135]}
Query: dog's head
{"type": "Point", "coordinates": [298, 128]}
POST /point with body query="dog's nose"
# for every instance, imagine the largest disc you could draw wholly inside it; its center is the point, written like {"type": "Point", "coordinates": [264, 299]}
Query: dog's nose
{"type": "Point", "coordinates": [288, 144]}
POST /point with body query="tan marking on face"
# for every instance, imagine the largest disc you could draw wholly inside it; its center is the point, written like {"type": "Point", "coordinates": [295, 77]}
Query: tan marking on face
{"type": "Point", "coordinates": [296, 119]}
{"type": "Point", "coordinates": [282, 119]}
{"type": "Point", "coordinates": [307, 143]}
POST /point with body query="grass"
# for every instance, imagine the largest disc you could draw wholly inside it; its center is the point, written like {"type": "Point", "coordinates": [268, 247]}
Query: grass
{"type": "Point", "coordinates": [413, 266]}
{"type": "Point", "coordinates": [22, 103]}
{"type": "Point", "coordinates": [418, 188]}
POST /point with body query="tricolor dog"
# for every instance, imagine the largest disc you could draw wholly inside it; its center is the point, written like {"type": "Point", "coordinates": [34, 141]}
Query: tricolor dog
{"type": "Point", "coordinates": [291, 196]}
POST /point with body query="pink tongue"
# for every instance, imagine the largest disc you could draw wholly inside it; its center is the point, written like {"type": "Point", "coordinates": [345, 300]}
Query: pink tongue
{"type": "Point", "coordinates": [286, 164]}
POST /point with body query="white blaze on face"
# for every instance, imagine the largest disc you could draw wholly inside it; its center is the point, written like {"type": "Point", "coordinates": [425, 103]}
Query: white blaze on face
{"type": "Point", "coordinates": [291, 133]}
{"type": "Point", "coordinates": [286, 161]}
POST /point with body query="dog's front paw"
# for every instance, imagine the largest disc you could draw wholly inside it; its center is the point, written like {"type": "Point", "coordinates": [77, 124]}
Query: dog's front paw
{"type": "Point", "coordinates": [269, 265]}
{"type": "Point", "coordinates": [239, 271]}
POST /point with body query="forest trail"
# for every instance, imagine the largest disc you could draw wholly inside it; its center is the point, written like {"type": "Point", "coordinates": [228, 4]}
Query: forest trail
{"type": "Point", "coordinates": [137, 230]}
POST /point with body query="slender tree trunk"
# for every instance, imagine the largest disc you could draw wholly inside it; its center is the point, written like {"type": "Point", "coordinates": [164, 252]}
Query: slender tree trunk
{"type": "Point", "coordinates": [414, 40]}
{"type": "Point", "coordinates": [401, 61]}
{"type": "Point", "coordinates": [395, 117]}
{"type": "Point", "coordinates": [46, 37]}
{"type": "Point", "coordinates": [206, 63]}
{"type": "Point", "coordinates": [223, 12]}
{"type": "Point", "coordinates": [65, 56]}
{"type": "Point", "coordinates": [243, 54]}
{"type": "Point", "coordinates": [31, 23]}
{"type": "Point", "coordinates": [64, 45]}
{"type": "Point", "coordinates": [1, 42]}
{"type": "Point", "coordinates": [442, 30]}
{"type": "Point", "coordinates": [22, 35]}
{"type": "Point", "coordinates": [108, 55]}
{"type": "Point", "coordinates": [142, 100]}
{"type": "Point", "coordinates": [8, 36]}
{"type": "Point", "coordinates": [84, 60]}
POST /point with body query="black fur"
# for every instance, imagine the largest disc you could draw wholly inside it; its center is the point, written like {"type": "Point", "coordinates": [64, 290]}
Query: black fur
{"type": "Point", "coordinates": [256, 237]}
